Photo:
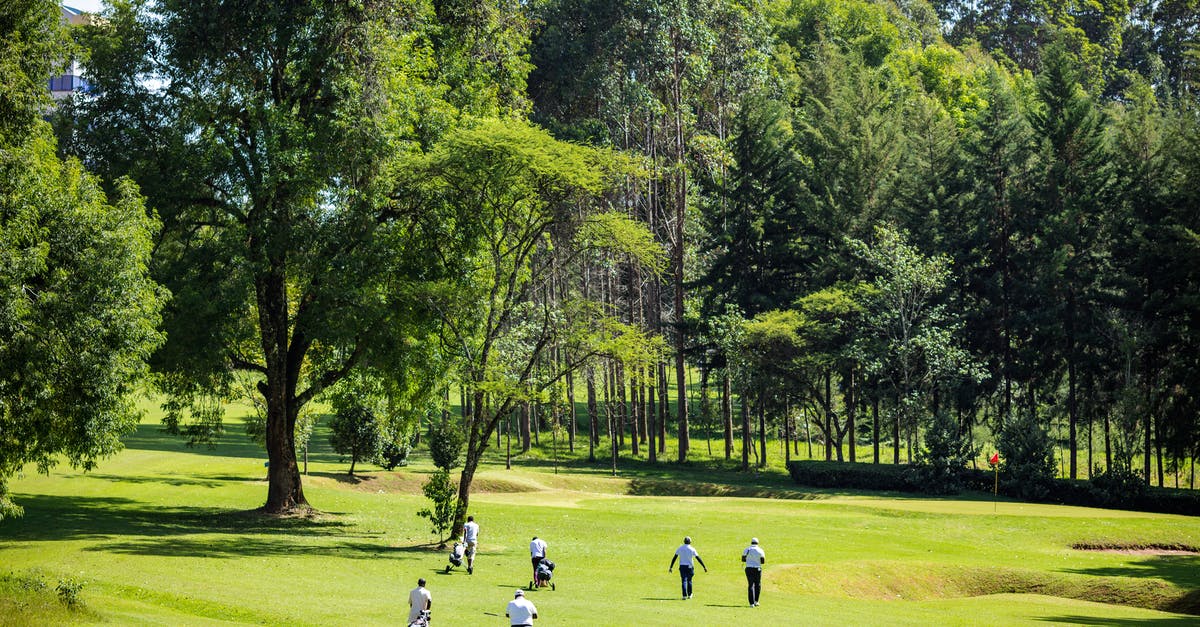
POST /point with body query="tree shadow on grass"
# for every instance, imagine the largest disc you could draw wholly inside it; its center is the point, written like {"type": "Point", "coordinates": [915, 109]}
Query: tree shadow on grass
{"type": "Point", "coordinates": [151, 437]}
{"type": "Point", "coordinates": [203, 481]}
{"type": "Point", "coordinates": [1180, 570]}
{"type": "Point", "coordinates": [342, 477]}
{"type": "Point", "coordinates": [56, 518]}
{"type": "Point", "coordinates": [1117, 622]}
{"type": "Point", "coordinates": [126, 526]}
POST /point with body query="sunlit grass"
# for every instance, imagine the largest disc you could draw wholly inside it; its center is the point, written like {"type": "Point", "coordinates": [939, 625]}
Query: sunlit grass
{"type": "Point", "coordinates": [162, 534]}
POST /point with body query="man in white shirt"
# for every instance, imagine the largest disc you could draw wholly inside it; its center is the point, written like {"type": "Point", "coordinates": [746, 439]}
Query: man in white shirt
{"type": "Point", "coordinates": [754, 558]}
{"type": "Point", "coordinates": [470, 537]}
{"type": "Point", "coordinates": [419, 600]}
{"type": "Point", "coordinates": [520, 612]}
{"type": "Point", "coordinates": [537, 551]}
{"type": "Point", "coordinates": [685, 554]}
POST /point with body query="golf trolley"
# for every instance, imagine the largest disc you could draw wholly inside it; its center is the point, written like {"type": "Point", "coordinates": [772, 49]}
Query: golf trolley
{"type": "Point", "coordinates": [543, 574]}
{"type": "Point", "coordinates": [422, 620]}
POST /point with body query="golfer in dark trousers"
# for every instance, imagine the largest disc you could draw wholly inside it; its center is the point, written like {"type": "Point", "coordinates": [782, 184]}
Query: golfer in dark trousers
{"type": "Point", "coordinates": [685, 554]}
{"type": "Point", "coordinates": [754, 559]}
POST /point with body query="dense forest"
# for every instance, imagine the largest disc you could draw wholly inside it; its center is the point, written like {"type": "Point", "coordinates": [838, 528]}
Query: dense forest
{"type": "Point", "coordinates": [887, 229]}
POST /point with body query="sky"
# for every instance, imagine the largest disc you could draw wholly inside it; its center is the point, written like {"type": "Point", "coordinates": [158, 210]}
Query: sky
{"type": "Point", "coordinates": [89, 6]}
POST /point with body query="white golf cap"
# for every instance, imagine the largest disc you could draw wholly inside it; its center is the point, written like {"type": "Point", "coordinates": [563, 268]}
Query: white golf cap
{"type": "Point", "coordinates": [753, 540]}
{"type": "Point", "coordinates": [519, 593]}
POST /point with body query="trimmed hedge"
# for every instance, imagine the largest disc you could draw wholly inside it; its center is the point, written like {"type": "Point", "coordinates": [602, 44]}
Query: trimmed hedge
{"type": "Point", "coordinates": [905, 478]}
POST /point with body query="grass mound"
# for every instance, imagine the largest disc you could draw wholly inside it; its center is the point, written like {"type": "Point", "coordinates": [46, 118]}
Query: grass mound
{"type": "Point", "coordinates": [911, 581]}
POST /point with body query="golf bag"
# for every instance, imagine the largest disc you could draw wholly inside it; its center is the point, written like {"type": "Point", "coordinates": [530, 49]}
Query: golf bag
{"type": "Point", "coordinates": [422, 620]}
{"type": "Point", "coordinates": [545, 571]}
{"type": "Point", "coordinates": [456, 555]}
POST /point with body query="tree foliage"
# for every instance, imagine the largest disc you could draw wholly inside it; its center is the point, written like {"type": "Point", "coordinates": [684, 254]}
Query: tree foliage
{"type": "Point", "coordinates": [79, 314]}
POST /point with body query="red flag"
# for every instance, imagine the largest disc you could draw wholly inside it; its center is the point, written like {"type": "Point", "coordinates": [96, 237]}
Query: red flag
{"type": "Point", "coordinates": [994, 459]}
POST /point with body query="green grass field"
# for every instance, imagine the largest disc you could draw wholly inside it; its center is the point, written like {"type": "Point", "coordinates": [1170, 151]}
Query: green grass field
{"type": "Point", "coordinates": [161, 534]}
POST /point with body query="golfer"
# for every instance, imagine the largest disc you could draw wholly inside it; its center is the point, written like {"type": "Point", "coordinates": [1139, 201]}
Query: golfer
{"type": "Point", "coordinates": [520, 612]}
{"type": "Point", "coordinates": [537, 551]}
{"type": "Point", "coordinates": [685, 554]}
{"type": "Point", "coordinates": [754, 558]}
{"type": "Point", "coordinates": [471, 537]}
{"type": "Point", "coordinates": [419, 600]}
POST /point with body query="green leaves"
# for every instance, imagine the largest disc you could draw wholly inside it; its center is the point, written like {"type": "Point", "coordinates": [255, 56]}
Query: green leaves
{"type": "Point", "coordinates": [78, 313]}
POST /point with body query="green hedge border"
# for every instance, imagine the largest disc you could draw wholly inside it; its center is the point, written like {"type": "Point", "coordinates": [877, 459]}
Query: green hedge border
{"type": "Point", "coordinates": [905, 478]}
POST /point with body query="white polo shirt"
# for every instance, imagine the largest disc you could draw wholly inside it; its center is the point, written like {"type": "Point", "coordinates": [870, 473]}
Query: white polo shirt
{"type": "Point", "coordinates": [537, 548]}
{"type": "Point", "coordinates": [470, 532]}
{"type": "Point", "coordinates": [686, 552]}
{"type": "Point", "coordinates": [520, 611]}
{"type": "Point", "coordinates": [418, 599]}
{"type": "Point", "coordinates": [754, 556]}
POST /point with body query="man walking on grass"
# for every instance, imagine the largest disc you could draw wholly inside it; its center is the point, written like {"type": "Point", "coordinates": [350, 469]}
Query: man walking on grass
{"type": "Point", "coordinates": [685, 554]}
{"type": "Point", "coordinates": [471, 537]}
{"type": "Point", "coordinates": [754, 558]}
{"type": "Point", "coordinates": [537, 552]}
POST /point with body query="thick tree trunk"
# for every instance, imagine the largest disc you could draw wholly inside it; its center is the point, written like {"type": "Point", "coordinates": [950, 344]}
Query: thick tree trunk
{"type": "Point", "coordinates": [285, 492]}
{"type": "Point", "coordinates": [476, 442]}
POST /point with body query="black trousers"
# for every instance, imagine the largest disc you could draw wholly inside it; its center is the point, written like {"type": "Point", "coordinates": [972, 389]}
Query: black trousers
{"type": "Point", "coordinates": [753, 583]}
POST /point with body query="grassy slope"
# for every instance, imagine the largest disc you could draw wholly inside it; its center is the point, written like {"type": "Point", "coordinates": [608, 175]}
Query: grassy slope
{"type": "Point", "coordinates": [159, 535]}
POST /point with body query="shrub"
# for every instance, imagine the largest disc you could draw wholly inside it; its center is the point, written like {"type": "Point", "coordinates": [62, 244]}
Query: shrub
{"type": "Point", "coordinates": [445, 444]}
{"type": "Point", "coordinates": [941, 463]}
{"type": "Point", "coordinates": [394, 447]}
{"type": "Point", "coordinates": [68, 592]}
{"type": "Point", "coordinates": [441, 492]}
{"type": "Point", "coordinates": [1027, 468]}
{"type": "Point", "coordinates": [1116, 486]}
{"type": "Point", "coordinates": [354, 432]}
{"type": "Point", "coordinates": [854, 475]}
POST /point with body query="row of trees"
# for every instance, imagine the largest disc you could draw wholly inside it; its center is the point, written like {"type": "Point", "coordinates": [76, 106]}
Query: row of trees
{"type": "Point", "coordinates": [822, 205]}
{"type": "Point", "coordinates": [904, 210]}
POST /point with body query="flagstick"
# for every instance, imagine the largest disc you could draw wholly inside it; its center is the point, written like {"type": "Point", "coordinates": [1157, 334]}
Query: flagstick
{"type": "Point", "coordinates": [996, 489]}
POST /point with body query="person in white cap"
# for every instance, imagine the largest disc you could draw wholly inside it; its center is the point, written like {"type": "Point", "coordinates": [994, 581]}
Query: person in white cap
{"type": "Point", "coordinates": [754, 558]}
{"type": "Point", "coordinates": [520, 611]}
{"type": "Point", "coordinates": [685, 554]}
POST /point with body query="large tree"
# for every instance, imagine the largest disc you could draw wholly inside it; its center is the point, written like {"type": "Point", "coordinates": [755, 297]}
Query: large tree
{"type": "Point", "coordinates": [267, 135]}
{"type": "Point", "coordinates": [78, 312]}
{"type": "Point", "coordinates": [525, 211]}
